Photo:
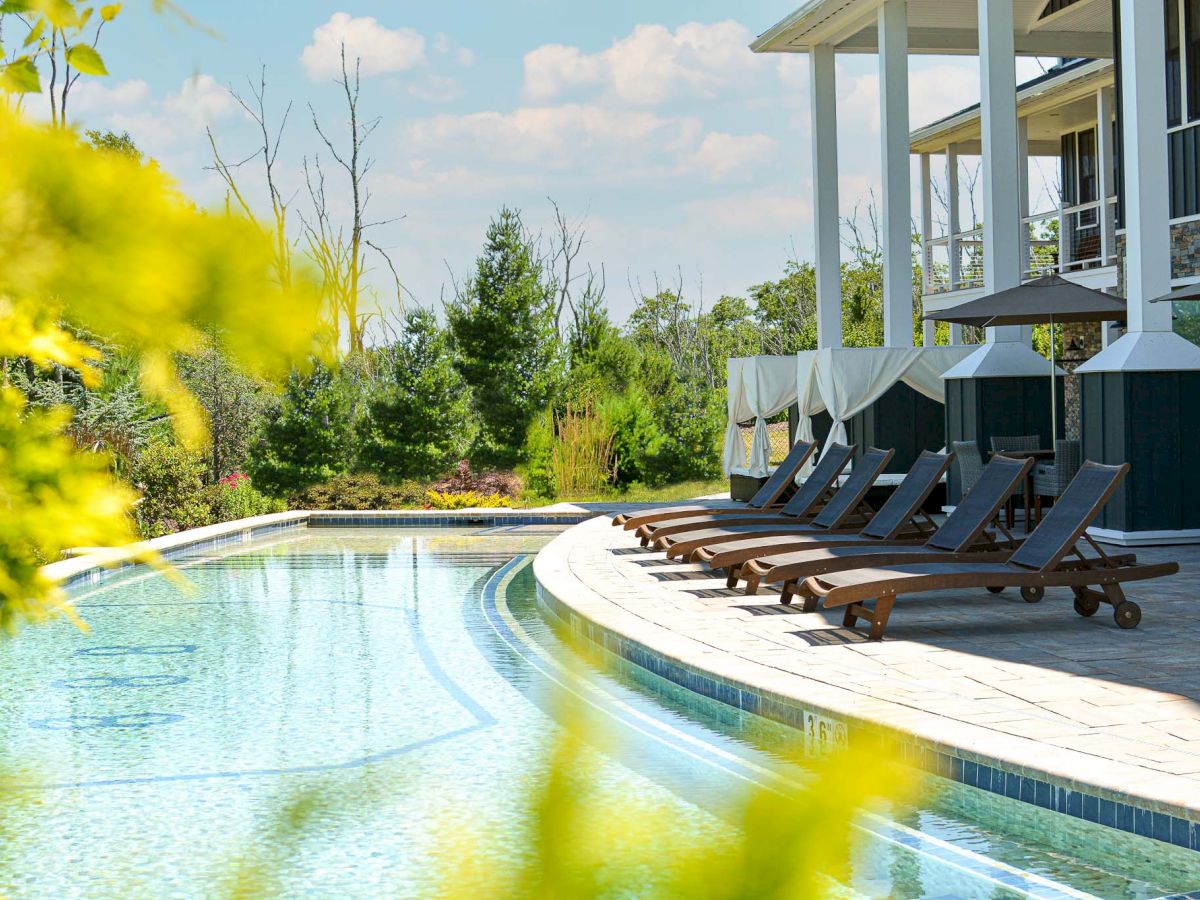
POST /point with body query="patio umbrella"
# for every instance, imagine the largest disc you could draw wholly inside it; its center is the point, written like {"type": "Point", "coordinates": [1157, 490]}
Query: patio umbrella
{"type": "Point", "coordinates": [1050, 299]}
{"type": "Point", "coordinates": [1190, 292]}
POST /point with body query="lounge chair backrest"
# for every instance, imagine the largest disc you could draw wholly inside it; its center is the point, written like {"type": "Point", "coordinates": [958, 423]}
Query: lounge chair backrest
{"type": "Point", "coordinates": [963, 527]}
{"type": "Point", "coordinates": [1069, 517]}
{"type": "Point", "coordinates": [907, 498]}
{"type": "Point", "coordinates": [833, 460]}
{"type": "Point", "coordinates": [854, 489]}
{"type": "Point", "coordinates": [784, 475]}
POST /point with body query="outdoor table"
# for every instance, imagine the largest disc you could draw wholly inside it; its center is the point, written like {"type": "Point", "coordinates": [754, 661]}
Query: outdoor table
{"type": "Point", "coordinates": [1026, 454]}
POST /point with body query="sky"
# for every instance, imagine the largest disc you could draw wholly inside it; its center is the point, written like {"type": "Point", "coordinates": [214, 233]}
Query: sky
{"type": "Point", "coordinates": [685, 155]}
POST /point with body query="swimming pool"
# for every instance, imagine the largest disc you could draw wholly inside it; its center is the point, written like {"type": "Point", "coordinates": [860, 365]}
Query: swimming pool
{"type": "Point", "coordinates": [407, 672]}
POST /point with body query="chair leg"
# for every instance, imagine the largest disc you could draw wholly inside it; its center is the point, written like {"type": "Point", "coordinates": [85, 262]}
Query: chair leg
{"type": "Point", "coordinates": [1010, 515]}
{"type": "Point", "coordinates": [731, 578]}
{"type": "Point", "coordinates": [878, 617]}
{"type": "Point", "coordinates": [1037, 509]}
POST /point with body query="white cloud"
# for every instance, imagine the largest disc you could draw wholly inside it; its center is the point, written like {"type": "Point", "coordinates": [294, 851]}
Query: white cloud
{"type": "Point", "coordinates": [723, 157]}
{"type": "Point", "coordinates": [652, 65]}
{"type": "Point", "coordinates": [94, 96]}
{"type": "Point", "coordinates": [381, 50]}
{"type": "Point", "coordinates": [201, 101]}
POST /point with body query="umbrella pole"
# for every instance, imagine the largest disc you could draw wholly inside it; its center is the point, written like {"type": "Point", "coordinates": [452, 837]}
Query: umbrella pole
{"type": "Point", "coordinates": [1053, 388]}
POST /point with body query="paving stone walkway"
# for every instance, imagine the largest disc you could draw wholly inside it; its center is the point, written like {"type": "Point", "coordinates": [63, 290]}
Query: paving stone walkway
{"type": "Point", "coordinates": [1033, 686]}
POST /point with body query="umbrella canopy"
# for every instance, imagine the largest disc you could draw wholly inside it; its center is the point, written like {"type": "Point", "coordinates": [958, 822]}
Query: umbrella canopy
{"type": "Point", "coordinates": [1050, 298]}
{"type": "Point", "coordinates": [1191, 292]}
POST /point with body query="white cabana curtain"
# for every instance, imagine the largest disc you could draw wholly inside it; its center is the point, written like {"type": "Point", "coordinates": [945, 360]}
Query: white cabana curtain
{"type": "Point", "coordinates": [851, 379]}
{"type": "Point", "coordinates": [759, 387]}
{"type": "Point", "coordinates": [925, 374]}
{"type": "Point", "coordinates": [809, 400]}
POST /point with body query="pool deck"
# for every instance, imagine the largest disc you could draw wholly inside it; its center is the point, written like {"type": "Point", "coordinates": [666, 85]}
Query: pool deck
{"type": "Point", "coordinates": [1109, 718]}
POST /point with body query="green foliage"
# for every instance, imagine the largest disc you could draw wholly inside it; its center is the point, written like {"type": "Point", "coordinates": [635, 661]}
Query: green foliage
{"type": "Point", "coordinates": [362, 491]}
{"type": "Point", "coordinates": [233, 403]}
{"type": "Point", "coordinates": [309, 435]}
{"type": "Point", "coordinates": [419, 420]}
{"type": "Point", "coordinates": [785, 311]}
{"type": "Point", "coordinates": [502, 323]}
{"type": "Point", "coordinates": [170, 479]}
{"type": "Point", "coordinates": [234, 497]}
{"type": "Point", "coordinates": [111, 142]}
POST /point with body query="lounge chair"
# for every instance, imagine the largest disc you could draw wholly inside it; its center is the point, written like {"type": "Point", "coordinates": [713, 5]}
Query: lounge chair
{"type": "Point", "coordinates": [899, 520]}
{"type": "Point", "coordinates": [806, 503]}
{"type": "Point", "coordinates": [962, 536]}
{"type": "Point", "coordinates": [770, 496]}
{"type": "Point", "coordinates": [1038, 564]}
{"type": "Point", "coordinates": [842, 516]}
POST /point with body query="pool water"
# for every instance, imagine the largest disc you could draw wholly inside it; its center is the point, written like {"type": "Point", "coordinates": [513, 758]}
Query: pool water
{"type": "Point", "coordinates": [403, 682]}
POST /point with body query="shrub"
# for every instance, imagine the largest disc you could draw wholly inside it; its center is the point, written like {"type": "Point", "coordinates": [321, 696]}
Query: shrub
{"type": "Point", "coordinates": [463, 480]}
{"type": "Point", "coordinates": [464, 500]}
{"type": "Point", "coordinates": [582, 461]}
{"type": "Point", "coordinates": [170, 479]}
{"type": "Point", "coordinates": [363, 491]}
{"type": "Point", "coordinates": [309, 436]}
{"type": "Point", "coordinates": [234, 497]}
{"type": "Point", "coordinates": [419, 418]}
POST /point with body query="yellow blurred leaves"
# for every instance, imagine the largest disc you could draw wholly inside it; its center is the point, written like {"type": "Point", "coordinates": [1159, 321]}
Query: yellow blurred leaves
{"type": "Point", "coordinates": [111, 246]}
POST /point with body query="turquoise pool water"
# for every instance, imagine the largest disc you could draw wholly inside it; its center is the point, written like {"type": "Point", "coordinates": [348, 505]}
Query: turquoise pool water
{"type": "Point", "coordinates": [404, 679]}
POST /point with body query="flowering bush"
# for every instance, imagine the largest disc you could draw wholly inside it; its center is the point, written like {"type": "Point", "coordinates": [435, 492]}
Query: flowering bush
{"type": "Point", "coordinates": [360, 492]}
{"type": "Point", "coordinates": [463, 481]}
{"type": "Point", "coordinates": [234, 497]}
{"type": "Point", "coordinates": [464, 500]}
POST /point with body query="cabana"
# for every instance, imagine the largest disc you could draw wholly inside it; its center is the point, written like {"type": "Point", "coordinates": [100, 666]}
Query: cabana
{"type": "Point", "coordinates": [845, 383]}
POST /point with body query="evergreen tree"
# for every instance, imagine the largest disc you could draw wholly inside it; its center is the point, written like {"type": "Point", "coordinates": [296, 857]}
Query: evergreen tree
{"type": "Point", "coordinates": [502, 323]}
{"type": "Point", "coordinates": [308, 438]}
{"type": "Point", "coordinates": [419, 418]}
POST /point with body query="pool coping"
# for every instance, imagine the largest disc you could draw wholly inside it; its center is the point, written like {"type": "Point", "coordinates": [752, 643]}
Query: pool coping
{"type": "Point", "coordinates": [1008, 765]}
{"type": "Point", "coordinates": [93, 565]}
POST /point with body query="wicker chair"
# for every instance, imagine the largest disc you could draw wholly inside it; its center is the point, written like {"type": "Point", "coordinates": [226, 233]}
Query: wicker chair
{"type": "Point", "coordinates": [1003, 444]}
{"type": "Point", "coordinates": [1051, 479]}
{"type": "Point", "coordinates": [970, 463]}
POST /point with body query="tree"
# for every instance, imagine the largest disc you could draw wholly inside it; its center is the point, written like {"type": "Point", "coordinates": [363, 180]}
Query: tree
{"type": "Point", "coordinates": [341, 257]}
{"type": "Point", "coordinates": [309, 435]}
{"type": "Point", "coordinates": [232, 400]}
{"type": "Point", "coordinates": [785, 311]}
{"type": "Point", "coordinates": [121, 144]}
{"type": "Point", "coordinates": [419, 419]}
{"type": "Point", "coordinates": [502, 323]}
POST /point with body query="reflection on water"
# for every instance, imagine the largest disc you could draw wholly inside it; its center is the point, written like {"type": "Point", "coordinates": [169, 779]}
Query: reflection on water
{"type": "Point", "coordinates": [411, 670]}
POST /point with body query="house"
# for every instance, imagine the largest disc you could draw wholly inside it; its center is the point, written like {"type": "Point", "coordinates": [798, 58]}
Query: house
{"type": "Point", "coordinates": [1120, 114]}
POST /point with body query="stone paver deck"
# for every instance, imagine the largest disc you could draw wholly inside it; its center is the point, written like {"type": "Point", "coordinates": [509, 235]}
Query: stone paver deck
{"type": "Point", "coordinates": [1032, 687]}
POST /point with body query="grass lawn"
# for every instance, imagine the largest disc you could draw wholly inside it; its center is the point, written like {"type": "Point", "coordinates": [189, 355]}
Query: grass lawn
{"type": "Point", "coordinates": [684, 490]}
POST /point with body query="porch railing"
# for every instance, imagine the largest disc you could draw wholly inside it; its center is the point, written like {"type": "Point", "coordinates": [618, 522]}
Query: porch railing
{"type": "Point", "coordinates": [1064, 240]}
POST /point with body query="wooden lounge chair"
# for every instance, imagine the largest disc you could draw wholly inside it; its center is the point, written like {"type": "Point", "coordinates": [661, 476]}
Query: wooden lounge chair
{"type": "Point", "coordinates": [1038, 564]}
{"type": "Point", "coordinates": [900, 520]}
{"type": "Point", "coordinates": [843, 515]}
{"type": "Point", "coordinates": [802, 507]}
{"type": "Point", "coordinates": [963, 536]}
{"type": "Point", "coordinates": [771, 495]}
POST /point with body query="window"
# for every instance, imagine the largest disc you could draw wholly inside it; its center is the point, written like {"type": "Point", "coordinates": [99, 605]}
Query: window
{"type": "Point", "coordinates": [1089, 184]}
{"type": "Point", "coordinates": [1183, 62]}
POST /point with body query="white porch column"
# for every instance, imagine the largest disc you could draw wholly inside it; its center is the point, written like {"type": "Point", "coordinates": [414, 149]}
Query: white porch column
{"type": "Point", "coordinates": [1001, 175]}
{"type": "Point", "coordinates": [897, 191]}
{"type": "Point", "coordinates": [1149, 344]}
{"type": "Point", "coordinates": [1023, 192]}
{"type": "Point", "coordinates": [955, 333]}
{"type": "Point", "coordinates": [928, 328]}
{"type": "Point", "coordinates": [1104, 172]}
{"type": "Point", "coordinates": [1147, 178]}
{"type": "Point", "coordinates": [952, 223]}
{"type": "Point", "coordinates": [826, 211]}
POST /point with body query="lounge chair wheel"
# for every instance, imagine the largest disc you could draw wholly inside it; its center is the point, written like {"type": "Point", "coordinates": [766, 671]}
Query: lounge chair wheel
{"type": "Point", "coordinates": [1033, 594]}
{"type": "Point", "coordinates": [1127, 614]}
{"type": "Point", "coordinates": [995, 589]}
{"type": "Point", "coordinates": [1085, 606]}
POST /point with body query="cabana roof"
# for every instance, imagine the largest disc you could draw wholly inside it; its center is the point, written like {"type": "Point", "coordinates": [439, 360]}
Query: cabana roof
{"type": "Point", "coordinates": [1078, 28]}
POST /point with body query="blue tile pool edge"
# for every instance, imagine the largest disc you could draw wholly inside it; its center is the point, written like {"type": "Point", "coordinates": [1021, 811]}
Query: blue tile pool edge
{"type": "Point", "coordinates": [87, 570]}
{"type": "Point", "coordinates": [1028, 786]}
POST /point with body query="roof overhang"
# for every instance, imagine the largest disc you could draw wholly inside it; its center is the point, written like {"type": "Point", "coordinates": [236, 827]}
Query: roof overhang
{"type": "Point", "coordinates": [1051, 103]}
{"type": "Point", "coordinates": [944, 27]}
